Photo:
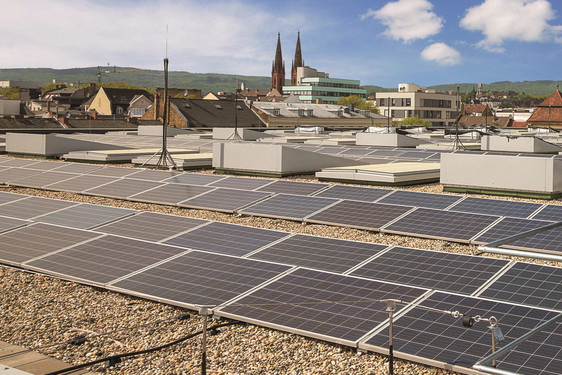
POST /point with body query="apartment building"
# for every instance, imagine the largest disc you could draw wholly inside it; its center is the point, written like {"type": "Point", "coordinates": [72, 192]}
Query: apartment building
{"type": "Point", "coordinates": [440, 109]}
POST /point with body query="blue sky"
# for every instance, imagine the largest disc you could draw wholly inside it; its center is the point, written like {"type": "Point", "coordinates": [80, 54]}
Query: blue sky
{"type": "Point", "coordinates": [382, 43]}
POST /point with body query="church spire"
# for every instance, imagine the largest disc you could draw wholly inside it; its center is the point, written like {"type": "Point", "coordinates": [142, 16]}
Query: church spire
{"type": "Point", "coordinates": [297, 62]}
{"type": "Point", "coordinates": [278, 68]}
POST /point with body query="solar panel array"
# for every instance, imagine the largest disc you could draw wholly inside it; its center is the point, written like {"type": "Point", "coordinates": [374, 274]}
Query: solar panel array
{"type": "Point", "coordinates": [279, 280]}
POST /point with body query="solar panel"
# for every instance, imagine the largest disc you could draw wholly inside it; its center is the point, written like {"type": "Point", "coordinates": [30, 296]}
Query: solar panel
{"type": "Point", "coordinates": [244, 183]}
{"type": "Point", "coordinates": [153, 175]}
{"type": "Point", "coordinates": [362, 215]}
{"type": "Point", "coordinates": [78, 168]}
{"type": "Point", "coordinates": [194, 179]}
{"type": "Point", "coordinates": [293, 187]}
{"type": "Point", "coordinates": [328, 254]}
{"type": "Point", "coordinates": [6, 197]}
{"type": "Point", "coordinates": [550, 213]}
{"type": "Point", "coordinates": [425, 222]}
{"type": "Point", "coordinates": [224, 238]}
{"type": "Point", "coordinates": [44, 165]}
{"type": "Point", "coordinates": [42, 179]}
{"type": "Point", "coordinates": [549, 241]}
{"type": "Point", "coordinates": [529, 284]}
{"type": "Point", "coordinates": [284, 206]}
{"type": "Point", "coordinates": [38, 239]}
{"type": "Point", "coordinates": [84, 216]}
{"type": "Point", "coordinates": [199, 278]}
{"type": "Point", "coordinates": [433, 337]}
{"type": "Point", "coordinates": [416, 154]}
{"type": "Point", "coordinates": [170, 193]}
{"type": "Point", "coordinates": [33, 206]}
{"type": "Point", "coordinates": [113, 171]}
{"type": "Point", "coordinates": [496, 207]}
{"type": "Point", "coordinates": [414, 198]}
{"type": "Point", "coordinates": [7, 223]}
{"type": "Point", "coordinates": [353, 192]}
{"type": "Point", "coordinates": [80, 183]}
{"type": "Point", "coordinates": [319, 304]}
{"type": "Point", "coordinates": [123, 188]}
{"type": "Point", "coordinates": [222, 199]}
{"type": "Point", "coordinates": [11, 174]}
{"type": "Point", "coordinates": [151, 226]}
{"type": "Point", "coordinates": [357, 151]}
{"type": "Point", "coordinates": [103, 259]}
{"type": "Point", "coordinates": [13, 162]}
{"type": "Point", "coordinates": [508, 227]}
{"type": "Point", "coordinates": [432, 269]}
{"type": "Point", "coordinates": [386, 152]}
{"type": "Point", "coordinates": [541, 354]}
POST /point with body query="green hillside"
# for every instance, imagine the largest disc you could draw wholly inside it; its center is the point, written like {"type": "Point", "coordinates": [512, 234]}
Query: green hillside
{"type": "Point", "coordinates": [227, 82]}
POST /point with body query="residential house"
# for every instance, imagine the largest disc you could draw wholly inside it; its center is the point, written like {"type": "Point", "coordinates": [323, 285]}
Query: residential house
{"type": "Point", "coordinates": [111, 101]}
{"type": "Point", "coordinates": [138, 106]}
{"type": "Point", "coordinates": [73, 96]}
{"type": "Point", "coordinates": [548, 113]}
{"type": "Point", "coordinates": [180, 93]}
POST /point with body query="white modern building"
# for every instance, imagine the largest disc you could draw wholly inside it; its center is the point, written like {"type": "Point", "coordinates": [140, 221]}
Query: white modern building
{"type": "Point", "coordinates": [411, 100]}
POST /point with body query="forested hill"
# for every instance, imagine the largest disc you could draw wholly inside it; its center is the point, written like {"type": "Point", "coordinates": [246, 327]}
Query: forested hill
{"type": "Point", "coordinates": [213, 82]}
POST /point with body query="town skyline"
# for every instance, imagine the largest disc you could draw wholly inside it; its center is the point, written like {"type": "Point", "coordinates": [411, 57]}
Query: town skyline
{"type": "Point", "coordinates": [381, 43]}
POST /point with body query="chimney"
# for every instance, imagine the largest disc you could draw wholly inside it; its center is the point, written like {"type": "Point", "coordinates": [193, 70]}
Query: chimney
{"type": "Point", "coordinates": [48, 106]}
{"type": "Point", "coordinates": [156, 106]}
{"type": "Point", "coordinates": [63, 120]}
{"type": "Point", "coordinates": [95, 115]}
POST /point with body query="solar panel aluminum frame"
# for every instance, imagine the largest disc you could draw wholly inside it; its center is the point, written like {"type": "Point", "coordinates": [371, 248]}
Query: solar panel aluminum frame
{"type": "Point", "coordinates": [363, 345]}
{"type": "Point", "coordinates": [298, 219]}
{"type": "Point", "coordinates": [190, 306]}
{"type": "Point", "coordinates": [262, 323]}
{"type": "Point", "coordinates": [186, 203]}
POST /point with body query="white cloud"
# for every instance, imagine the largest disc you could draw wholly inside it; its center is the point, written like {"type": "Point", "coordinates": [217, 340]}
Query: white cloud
{"type": "Point", "coordinates": [519, 20]}
{"type": "Point", "coordinates": [407, 20]}
{"type": "Point", "coordinates": [204, 36]}
{"type": "Point", "coordinates": [442, 54]}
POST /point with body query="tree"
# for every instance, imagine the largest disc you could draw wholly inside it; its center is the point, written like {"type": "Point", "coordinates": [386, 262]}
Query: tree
{"type": "Point", "coordinates": [415, 121]}
{"type": "Point", "coordinates": [10, 92]}
{"type": "Point", "coordinates": [358, 102]}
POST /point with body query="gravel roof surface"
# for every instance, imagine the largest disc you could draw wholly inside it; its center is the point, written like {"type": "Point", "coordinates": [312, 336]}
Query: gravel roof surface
{"type": "Point", "coordinates": [39, 311]}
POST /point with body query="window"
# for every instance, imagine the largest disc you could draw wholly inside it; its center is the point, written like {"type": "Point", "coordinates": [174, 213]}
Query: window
{"type": "Point", "coordinates": [218, 106]}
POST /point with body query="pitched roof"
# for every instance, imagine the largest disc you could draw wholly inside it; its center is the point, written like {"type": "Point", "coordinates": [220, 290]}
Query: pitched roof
{"type": "Point", "coordinates": [101, 123]}
{"type": "Point", "coordinates": [124, 96]}
{"type": "Point", "coordinates": [547, 114]}
{"type": "Point", "coordinates": [29, 123]}
{"type": "Point", "coordinates": [215, 113]}
{"type": "Point", "coordinates": [554, 100]}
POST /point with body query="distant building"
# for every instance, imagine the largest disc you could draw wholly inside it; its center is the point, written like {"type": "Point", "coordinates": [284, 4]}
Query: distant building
{"type": "Point", "coordinates": [297, 61]}
{"type": "Point", "coordinates": [73, 96]}
{"type": "Point", "coordinates": [10, 107]}
{"type": "Point", "coordinates": [111, 101]}
{"type": "Point", "coordinates": [440, 109]}
{"type": "Point", "coordinates": [278, 68]}
{"type": "Point", "coordinates": [177, 93]}
{"type": "Point", "coordinates": [548, 113]}
{"type": "Point", "coordinates": [21, 84]}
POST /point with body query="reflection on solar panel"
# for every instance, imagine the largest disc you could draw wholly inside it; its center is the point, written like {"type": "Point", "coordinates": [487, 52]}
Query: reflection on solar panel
{"type": "Point", "coordinates": [199, 278]}
{"type": "Point", "coordinates": [151, 226]}
{"type": "Point", "coordinates": [38, 239]}
{"type": "Point", "coordinates": [529, 284]}
{"type": "Point", "coordinates": [507, 227]}
{"type": "Point", "coordinates": [42, 179]}
{"type": "Point", "coordinates": [432, 269]}
{"type": "Point", "coordinates": [319, 304]}
{"type": "Point", "coordinates": [104, 259]}
{"type": "Point", "coordinates": [295, 207]}
{"type": "Point", "coordinates": [222, 199]}
{"type": "Point", "coordinates": [414, 198]}
{"type": "Point", "coordinates": [550, 213]}
{"type": "Point", "coordinates": [363, 215]}
{"type": "Point", "coordinates": [6, 197]}
{"type": "Point", "coordinates": [84, 216]}
{"type": "Point", "coordinates": [194, 179]}
{"type": "Point", "coordinates": [293, 187]}
{"type": "Point", "coordinates": [226, 238]}
{"type": "Point", "coordinates": [123, 188]}
{"type": "Point", "coordinates": [11, 174]}
{"type": "Point", "coordinates": [541, 354]}
{"type": "Point", "coordinates": [33, 206]}
{"type": "Point", "coordinates": [425, 222]}
{"type": "Point", "coordinates": [438, 337]}
{"type": "Point", "coordinates": [152, 175]}
{"type": "Point", "coordinates": [245, 183]}
{"type": "Point", "coordinates": [328, 254]}
{"type": "Point", "coordinates": [113, 171]}
{"type": "Point", "coordinates": [78, 168]}
{"type": "Point", "coordinates": [496, 207]}
{"type": "Point", "coordinates": [170, 193]}
{"type": "Point", "coordinates": [353, 192]}
{"type": "Point", "coordinates": [549, 240]}
{"type": "Point", "coordinates": [80, 183]}
{"type": "Point", "coordinates": [7, 223]}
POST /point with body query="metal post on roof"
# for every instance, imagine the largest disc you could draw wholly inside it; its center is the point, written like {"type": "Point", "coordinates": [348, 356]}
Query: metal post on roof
{"type": "Point", "coordinates": [204, 311]}
{"type": "Point", "coordinates": [390, 308]}
{"type": "Point", "coordinates": [457, 144]}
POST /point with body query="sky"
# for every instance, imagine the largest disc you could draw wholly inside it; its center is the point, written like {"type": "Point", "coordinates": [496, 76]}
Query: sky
{"type": "Point", "coordinates": [383, 43]}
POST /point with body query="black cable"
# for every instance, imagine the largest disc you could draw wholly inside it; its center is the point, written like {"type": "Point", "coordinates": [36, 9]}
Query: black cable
{"type": "Point", "coordinates": [80, 339]}
{"type": "Point", "coordinates": [116, 358]}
